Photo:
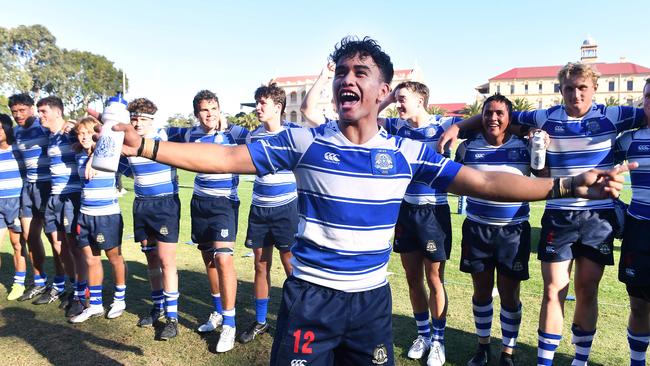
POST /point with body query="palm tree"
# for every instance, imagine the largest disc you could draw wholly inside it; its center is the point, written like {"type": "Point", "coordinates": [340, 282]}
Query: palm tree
{"type": "Point", "coordinates": [521, 105]}
{"type": "Point", "coordinates": [391, 112]}
{"type": "Point", "coordinates": [611, 101]}
{"type": "Point", "coordinates": [472, 109]}
{"type": "Point", "coordinates": [437, 110]}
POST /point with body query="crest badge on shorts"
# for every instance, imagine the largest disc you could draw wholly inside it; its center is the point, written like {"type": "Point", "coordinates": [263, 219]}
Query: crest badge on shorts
{"type": "Point", "coordinates": [517, 267]}
{"type": "Point", "coordinates": [100, 238]}
{"type": "Point", "coordinates": [431, 246]}
{"type": "Point", "coordinates": [224, 233]}
{"type": "Point", "coordinates": [380, 355]}
{"type": "Point", "coordinates": [164, 230]}
{"type": "Point", "coordinates": [604, 248]}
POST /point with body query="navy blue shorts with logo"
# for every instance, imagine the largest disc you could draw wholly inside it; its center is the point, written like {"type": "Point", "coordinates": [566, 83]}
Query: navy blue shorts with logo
{"type": "Point", "coordinates": [272, 226]}
{"type": "Point", "coordinates": [61, 212]}
{"type": "Point", "coordinates": [506, 248]}
{"type": "Point", "coordinates": [213, 219]}
{"type": "Point", "coordinates": [425, 228]}
{"type": "Point", "coordinates": [100, 232]}
{"type": "Point", "coordinates": [9, 209]}
{"type": "Point", "coordinates": [568, 234]}
{"type": "Point", "coordinates": [634, 267]}
{"type": "Point", "coordinates": [156, 217]}
{"type": "Point", "coordinates": [33, 198]}
{"type": "Point", "coordinates": [320, 326]}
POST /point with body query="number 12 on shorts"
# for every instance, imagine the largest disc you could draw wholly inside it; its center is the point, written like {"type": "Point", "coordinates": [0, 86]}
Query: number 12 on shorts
{"type": "Point", "coordinates": [307, 337]}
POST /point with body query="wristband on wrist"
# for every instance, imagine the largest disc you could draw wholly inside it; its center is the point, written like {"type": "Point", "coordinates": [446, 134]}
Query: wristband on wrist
{"type": "Point", "coordinates": [154, 154]}
{"type": "Point", "coordinates": [563, 187]}
{"type": "Point", "coordinates": [139, 153]}
{"type": "Point", "coordinates": [147, 148]}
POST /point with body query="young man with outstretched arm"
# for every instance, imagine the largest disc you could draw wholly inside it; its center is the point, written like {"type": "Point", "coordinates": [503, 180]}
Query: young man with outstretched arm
{"type": "Point", "coordinates": [336, 306]}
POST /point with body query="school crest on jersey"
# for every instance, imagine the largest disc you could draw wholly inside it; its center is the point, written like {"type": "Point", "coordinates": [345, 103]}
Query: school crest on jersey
{"type": "Point", "coordinates": [380, 355]}
{"type": "Point", "coordinates": [593, 126]}
{"type": "Point", "coordinates": [383, 162]}
{"type": "Point", "coordinates": [164, 230]}
{"type": "Point", "coordinates": [100, 238]}
{"type": "Point", "coordinates": [431, 246]}
{"type": "Point", "coordinates": [224, 233]}
{"type": "Point", "coordinates": [429, 132]}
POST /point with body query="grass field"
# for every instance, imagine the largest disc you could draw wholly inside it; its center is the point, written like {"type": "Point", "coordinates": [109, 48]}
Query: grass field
{"type": "Point", "coordinates": [40, 335]}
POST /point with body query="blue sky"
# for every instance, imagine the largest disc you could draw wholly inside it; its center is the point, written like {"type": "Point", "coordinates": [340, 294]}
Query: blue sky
{"type": "Point", "coordinates": [172, 49]}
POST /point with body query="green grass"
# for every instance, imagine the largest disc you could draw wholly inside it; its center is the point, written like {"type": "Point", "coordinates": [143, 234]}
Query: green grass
{"type": "Point", "coordinates": [31, 335]}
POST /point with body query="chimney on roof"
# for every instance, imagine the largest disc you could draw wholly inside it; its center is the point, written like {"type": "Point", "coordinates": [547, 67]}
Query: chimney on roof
{"type": "Point", "coordinates": [589, 50]}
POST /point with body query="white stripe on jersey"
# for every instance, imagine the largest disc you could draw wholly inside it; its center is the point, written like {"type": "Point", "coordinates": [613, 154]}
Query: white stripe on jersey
{"type": "Point", "coordinates": [32, 144]}
{"type": "Point", "coordinates": [350, 197]}
{"type": "Point", "coordinates": [151, 178]}
{"type": "Point", "coordinates": [635, 146]}
{"type": "Point", "coordinates": [63, 164]}
{"type": "Point", "coordinates": [11, 181]}
{"type": "Point", "coordinates": [98, 195]}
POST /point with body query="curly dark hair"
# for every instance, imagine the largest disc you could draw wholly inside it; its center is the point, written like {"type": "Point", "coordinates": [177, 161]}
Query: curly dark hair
{"type": "Point", "coordinates": [22, 98]}
{"type": "Point", "coordinates": [499, 99]}
{"type": "Point", "coordinates": [6, 123]}
{"type": "Point", "coordinates": [142, 105]}
{"type": "Point", "coordinates": [274, 92]}
{"type": "Point", "coordinates": [203, 95]}
{"type": "Point", "coordinates": [351, 46]}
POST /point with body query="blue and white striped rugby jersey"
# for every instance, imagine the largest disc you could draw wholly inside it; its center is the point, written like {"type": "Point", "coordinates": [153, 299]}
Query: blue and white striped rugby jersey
{"type": "Point", "coordinates": [212, 185]}
{"type": "Point", "coordinates": [635, 146]}
{"type": "Point", "coordinates": [63, 164]}
{"type": "Point", "coordinates": [151, 178]}
{"type": "Point", "coordinates": [99, 194]}
{"type": "Point", "coordinates": [32, 144]}
{"type": "Point", "coordinates": [11, 179]}
{"type": "Point", "coordinates": [278, 188]}
{"type": "Point", "coordinates": [421, 194]}
{"type": "Point", "coordinates": [349, 198]}
{"type": "Point", "coordinates": [580, 144]}
{"type": "Point", "coordinates": [511, 157]}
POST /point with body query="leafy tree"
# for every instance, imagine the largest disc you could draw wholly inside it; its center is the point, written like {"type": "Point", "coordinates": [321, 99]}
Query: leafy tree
{"type": "Point", "coordinates": [179, 120]}
{"type": "Point", "coordinates": [247, 120]}
{"type": "Point", "coordinates": [522, 105]}
{"type": "Point", "coordinates": [472, 109]}
{"type": "Point", "coordinates": [89, 78]}
{"type": "Point", "coordinates": [611, 101]}
{"type": "Point", "coordinates": [434, 109]}
{"type": "Point", "coordinates": [391, 112]}
{"type": "Point", "coordinates": [4, 107]}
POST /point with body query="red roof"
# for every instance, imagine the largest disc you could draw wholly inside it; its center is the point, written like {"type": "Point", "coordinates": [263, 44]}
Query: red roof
{"type": "Point", "coordinates": [623, 68]}
{"type": "Point", "coordinates": [451, 109]}
{"type": "Point", "coordinates": [294, 79]}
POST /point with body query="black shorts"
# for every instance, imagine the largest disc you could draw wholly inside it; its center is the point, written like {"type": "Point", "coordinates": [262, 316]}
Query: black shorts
{"type": "Point", "coordinates": [272, 226]}
{"type": "Point", "coordinates": [319, 326]}
{"type": "Point", "coordinates": [634, 266]}
{"type": "Point", "coordinates": [568, 234]}
{"type": "Point", "coordinates": [213, 219]}
{"type": "Point", "coordinates": [33, 198]}
{"type": "Point", "coordinates": [640, 292]}
{"type": "Point", "coordinates": [156, 217]}
{"type": "Point", "coordinates": [100, 232]}
{"type": "Point", "coordinates": [425, 228]}
{"type": "Point", "coordinates": [506, 248]}
{"type": "Point", "coordinates": [9, 210]}
{"type": "Point", "coordinates": [62, 212]}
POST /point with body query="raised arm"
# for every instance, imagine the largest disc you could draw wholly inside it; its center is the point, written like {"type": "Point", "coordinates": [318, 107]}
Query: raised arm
{"type": "Point", "coordinates": [309, 106]}
{"type": "Point", "coordinates": [498, 186]}
{"type": "Point", "coordinates": [203, 158]}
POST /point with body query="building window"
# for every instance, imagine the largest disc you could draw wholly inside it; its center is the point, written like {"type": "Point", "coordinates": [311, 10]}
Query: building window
{"type": "Point", "coordinates": [293, 97]}
{"type": "Point", "coordinates": [556, 88]}
{"type": "Point", "coordinates": [630, 85]}
{"type": "Point", "coordinates": [498, 89]}
{"type": "Point", "coordinates": [294, 116]}
{"type": "Point", "coordinates": [526, 89]}
{"type": "Point", "coordinates": [611, 86]}
{"type": "Point", "coordinates": [512, 88]}
{"type": "Point", "coordinates": [539, 87]}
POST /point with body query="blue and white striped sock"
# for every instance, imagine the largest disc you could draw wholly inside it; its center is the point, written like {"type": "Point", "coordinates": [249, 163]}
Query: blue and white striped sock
{"type": "Point", "coordinates": [80, 290]}
{"type": "Point", "coordinates": [482, 318]}
{"type": "Point", "coordinates": [158, 300]}
{"type": "Point", "coordinates": [229, 317]}
{"type": "Point", "coordinates": [638, 347]}
{"type": "Point", "coordinates": [19, 278]}
{"type": "Point", "coordinates": [171, 304]}
{"type": "Point", "coordinates": [422, 322]}
{"type": "Point", "coordinates": [261, 309]}
{"type": "Point", "coordinates": [40, 280]}
{"type": "Point", "coordinates": [216, 303]}
{"type": "Point", "coordinates": [510, 322]}
{"type": "Point", "coordinates": [120, 293]}
{"type": "Point", "coordinates": [546, 345]}
{"type": "Point", "coordinates": [59, 283]}
{"type": "Point", "coordinates": [582, 341]}
{"type": "Point", "coordinates": [95, 295]}
{"type": "Point", "coordinates": [438, 326]}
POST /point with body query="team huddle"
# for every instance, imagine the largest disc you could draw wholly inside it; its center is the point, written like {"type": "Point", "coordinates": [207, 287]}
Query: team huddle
{"type": "Point", "coordinates": [336, 198]}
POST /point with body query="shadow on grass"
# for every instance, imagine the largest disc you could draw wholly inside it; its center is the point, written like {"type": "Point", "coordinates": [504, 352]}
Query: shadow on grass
{"type": "Point", "coordinates": [69, 344]}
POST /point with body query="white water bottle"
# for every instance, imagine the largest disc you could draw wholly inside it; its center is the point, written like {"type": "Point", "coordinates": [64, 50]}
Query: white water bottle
{"type": "Point", "coordinates": [109, 146]}
{"type": "Point", "coordinates": [538, 151]}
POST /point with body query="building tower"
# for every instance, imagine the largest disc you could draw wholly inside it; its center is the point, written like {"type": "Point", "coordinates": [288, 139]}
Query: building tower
{"type": "Point", "coordinates": [589, 51]}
